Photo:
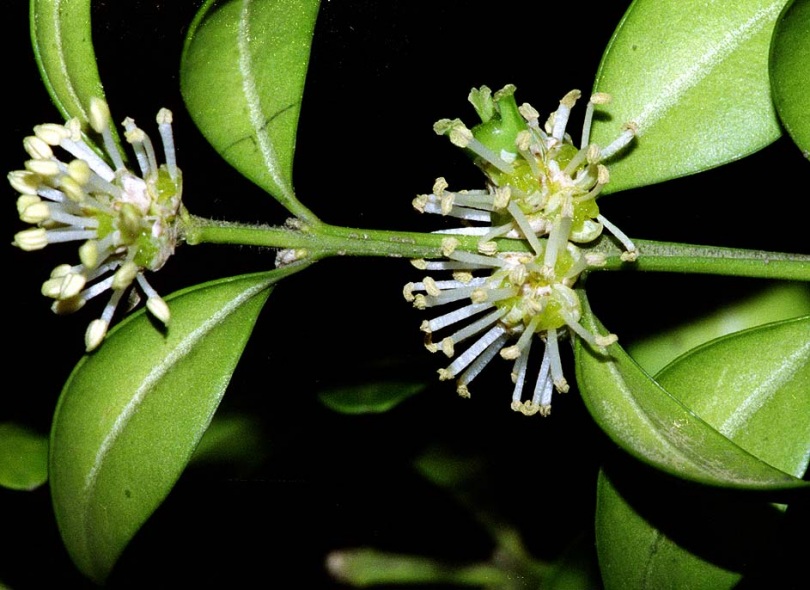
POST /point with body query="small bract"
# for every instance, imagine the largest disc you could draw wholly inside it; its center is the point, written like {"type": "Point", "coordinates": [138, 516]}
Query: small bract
{"type": "Point", "coordinates": [127, 222]}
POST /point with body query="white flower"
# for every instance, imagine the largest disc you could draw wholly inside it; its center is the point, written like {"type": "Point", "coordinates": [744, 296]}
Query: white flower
{"type": "Point", "coordinates": [500, 299]}
{"type": "Point", "coordinates": [539, 182]}
{"type": "Point", "coordinates": [541, 189]}
{"type": "Point", "coordinates": [126, 221]}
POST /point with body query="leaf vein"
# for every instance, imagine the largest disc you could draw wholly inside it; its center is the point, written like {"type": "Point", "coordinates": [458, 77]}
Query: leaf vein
{"type": "Point", "coordinates": [60, 51]}
{"type": "Point", "coordinates": [182, 349]}
{"type": "Point", "coordinates": [766, 390]}
{"type": "Point", "coordinates": [702, 67]}
{"type": "Point", "coordinates": [253, 100]}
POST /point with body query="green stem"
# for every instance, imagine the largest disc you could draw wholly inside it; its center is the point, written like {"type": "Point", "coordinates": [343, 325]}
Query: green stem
{"type": "Point", "coordinates": [689, 258]}
{"type": "Point", "coordinates": [323, 240]}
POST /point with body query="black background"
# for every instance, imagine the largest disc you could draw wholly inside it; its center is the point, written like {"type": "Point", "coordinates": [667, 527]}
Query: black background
{"type": "Point", "coordinates": [381, 73]}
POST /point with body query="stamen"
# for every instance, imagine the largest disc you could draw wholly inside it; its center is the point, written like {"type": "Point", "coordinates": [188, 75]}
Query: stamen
{"type": "Point", "coordinates": [519, 377]}
{"type": "Point", "coordinates": [598, 98]}
{"type": "Point", "coordinates": [58, 215]}
{"type": "Point", "coordinates": [576, 161]}
{"type": "Point", "coordinates": [631, 253]}
{"type": "Point", "coordinates": [629, 132]}
{"type": "Point", "coordinates": [137, 138]}
{"type": "Point", "coordinates": [477, 259]}
{"type": "Point", "coordinates": [553, 350]}
{"type": "Point", "coordinates": [462, 137]}
{"type": "Point", "coordinates": [466, 213]}
{"type": "Point", "coordinates": [482, 361]}
{"type": "Point", "coordinates": [97, 289]}
{"type": "Point", "coordinates": [154, 303]}
{"type": "Point", "coordinates": [478, 325]}
{"type": "Point", "coordinates": [562, 114]}
{"type": "Point", "coordinates": [164, 120]}
{"type": "Point", "coordinates": [556, 241]}
{"type": "Point", "coordinates": [544, 387]}
{"type": "Point", "coordinates": [37, 148]}
{"type": "Point", "coordinates": [56, 236]}
{"type": "Point", "coordinates": [24, 181]}
{"type": "Point", "coordinates": [499, 231]}
{"type": "Point", "coordinates": [469, 355]}
{"type": "Point", "coordinates": [455, 316]}
{"type": "Point", "coordinates": [525, 227]}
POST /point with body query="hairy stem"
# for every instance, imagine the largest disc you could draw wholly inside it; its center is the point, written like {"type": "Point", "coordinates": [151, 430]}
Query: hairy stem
{"type": "Point", "coordinates": [323, 240]}
{"type": "Point", "coordinates": [690, 258]}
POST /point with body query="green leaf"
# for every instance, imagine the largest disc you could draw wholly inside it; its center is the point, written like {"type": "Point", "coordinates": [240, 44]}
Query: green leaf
{"type": "Point", "coordinates": [790, 64]}
{"type": "Point", "coordinates": [369, 398]}
{"type": "Point", "coordinates": [652, 425]}
{"type": "Point", "coordinates": [779, 302]}
{"type": "Point", "coordinates": [242, 77]}
{"type": "Point", "coordinates": [132, 413]}
{"type": "Point", "coordinates": [694, 80]}
{"type": "Point", "coordinates": [63, 47]}
{"type": "Point", "coordinates": [636, 518]}
{"type": "Point", "coordinates": [754, 388]}
{"type": "Point", "coordinates": [651, 544]}
{"type": "Point", "coordinates": [23, 458]}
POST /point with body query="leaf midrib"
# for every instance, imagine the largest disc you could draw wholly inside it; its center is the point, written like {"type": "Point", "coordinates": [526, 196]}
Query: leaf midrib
{"type": "Point", "coordinates": [253, 99]}
{"type": "Point", "coordinates": [701, 69]}
{"type": "Point", "coordinates": [181, 350]}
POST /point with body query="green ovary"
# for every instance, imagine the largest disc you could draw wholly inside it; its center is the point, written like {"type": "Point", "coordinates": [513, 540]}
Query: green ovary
{"type": "Point", "coordinates": [521, 178]}
{"type": "Point", "coordinates": [105, 225]}
{"type": "Point", "coordinates": [537, 296]}
{"type": "Point", "coordinates": [584, 211]}
{"type": "Point", "coordinates": [524, 308]}
{"type": "Point", "coordinates": [165, 188]}
{"type": "Point", "coordinates": [147, 249]}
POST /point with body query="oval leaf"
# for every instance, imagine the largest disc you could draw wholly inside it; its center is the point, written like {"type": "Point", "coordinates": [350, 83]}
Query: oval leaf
{"type": "Point", "coordinates": [132, 413]}
{"type": "Point", "coordinates": [635, 516]}
{"type": "Point", "coordinates": [242, 78]}
{"type": "Point", "coordinates": [647, 544]}
{"type": "Point", "coordinates": [790, 64]}
{"type": "Point", "coordinates": [63, 47]}
{"type": "Point", "coordinates": [694, 80]}
{"type": "Point", "coordinates": [779, 302]}
{"type": "Point", "coordinates": [754, 388]}
{"type": "Point", "coordinates": [23, 458]}
{"type": "Point", "coordinates": [650, 424]}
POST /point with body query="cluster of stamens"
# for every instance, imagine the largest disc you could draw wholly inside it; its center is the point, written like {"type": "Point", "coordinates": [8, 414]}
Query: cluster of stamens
{"type": "Point", "coordinates": [126, 222]}
{"type": "Point", "coordinates": [542, 190]}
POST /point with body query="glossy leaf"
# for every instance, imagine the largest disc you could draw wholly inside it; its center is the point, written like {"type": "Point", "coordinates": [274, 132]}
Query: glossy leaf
{"type": "Point", "coordinates": [755, 388]}
{"type": "Point", "coordinates": [132, 413]}
{"type": "Point", "coordinates": [242, 77]}
{"type": "Point", "coordinates": [633, 520]}
{"type": "Point", "coordinates": [694, 80]}
{"type": "Point", "coordinates": [63, 47]}
{"type": "Point", "coordinates": [368, 398]}
{"type": "Point", "coordinates": [23, 458]}
{"type": "Point", "coordinates": [779, 302]}
{"type": "Point", "coordinates": [652, 425]}
{"type": "Point", "coordinates": [790, 64]}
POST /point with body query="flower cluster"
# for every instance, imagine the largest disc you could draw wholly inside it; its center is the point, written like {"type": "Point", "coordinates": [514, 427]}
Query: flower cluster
{"type": "Point", "coordinates": [541, 189]}
{"type": "Point", "coordinates": [126, 222]}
